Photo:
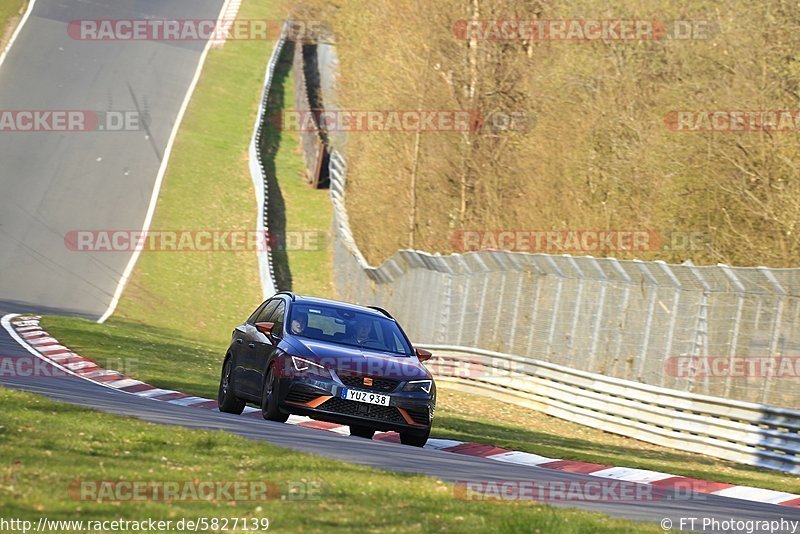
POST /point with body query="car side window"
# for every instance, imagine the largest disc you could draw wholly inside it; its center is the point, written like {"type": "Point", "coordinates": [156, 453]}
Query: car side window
{"type": "Point", "coordinates": [266, 313]}
{"type": "Point", "coordinates": [252, 318]}
{"type": "Point", "coordinates": [277, 317]}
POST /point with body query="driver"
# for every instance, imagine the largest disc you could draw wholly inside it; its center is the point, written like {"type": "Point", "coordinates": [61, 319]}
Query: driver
{"type": "Point", "coordinates": [299, 323]}
{"type": "Point", "coordinates": [362, 331]}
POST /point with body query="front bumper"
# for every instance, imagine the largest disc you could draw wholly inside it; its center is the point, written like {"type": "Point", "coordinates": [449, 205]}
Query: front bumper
{"type": "Point", "coordinates": [320, 398]}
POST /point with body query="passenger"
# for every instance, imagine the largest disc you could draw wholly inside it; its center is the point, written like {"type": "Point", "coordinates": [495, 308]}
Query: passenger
{"type": "Point", "coordinates": [299, 323]}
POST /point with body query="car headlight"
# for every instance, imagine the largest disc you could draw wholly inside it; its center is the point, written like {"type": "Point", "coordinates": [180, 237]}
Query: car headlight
{"type": "Point", "coordinates": [307, 366]}
{"type": "Point", "coordinates": [419, 385]}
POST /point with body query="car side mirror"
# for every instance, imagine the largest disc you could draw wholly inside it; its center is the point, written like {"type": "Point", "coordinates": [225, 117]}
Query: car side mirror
{"type": "Point", "coordinates": [424, 355]}
{"type": "Point", "coordinates": [265, 328]}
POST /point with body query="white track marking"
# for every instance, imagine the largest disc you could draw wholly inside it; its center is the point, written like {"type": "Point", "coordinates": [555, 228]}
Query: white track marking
{"type": "Point", "coordinates": [523, 458]}
{"type": "Point", "coordinates": [155, 392]}
{"type": "Point", "coordinates": [187, 401]}
{"type": "Point", "coordinates": [755, 494]}
{"type": "Point", "coordinates": [628, 474]}
{"type": "Point", "coordinates": [434, 443]}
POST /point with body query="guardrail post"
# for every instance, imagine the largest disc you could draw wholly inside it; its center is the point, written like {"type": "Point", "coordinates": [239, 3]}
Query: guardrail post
{"type": "Point", "coordinates": [536, 304]}
{"type": "Point", "coordinates": [464, 296]}
{"type": "Point", "coordinates": [673, 315]}
{"type": "Point", "coordinates": [447, 307]}
{"type": "Point", "coordinates": [598, 318]}
{"type": "Point", "coordinates": [648, 323]}
{"type": "Point", "coordinates": [737, 321]}
{"type": "Point", "coordinates": [515, 312]}
{"type": "Point", "coordinates": [576, 313]}
{"type": "Point", "coordinates": [498, 256]}
{"type": "Point", "coordinates": [776, 326]}
{"type": "Point", "coordinates": [556, 305]}
{"type": "Point", "coordinates": [626, 293]}
{"type": "Point", "coordinates": [481, 300]}
{"type": "Point", "coordinates": [700, 348]}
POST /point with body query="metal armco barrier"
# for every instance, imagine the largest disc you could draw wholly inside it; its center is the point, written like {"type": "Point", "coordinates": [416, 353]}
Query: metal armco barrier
{"type": "Point", "coordinates": [258, 173]}
{"type": "Point", "coordinates": [311, 137]}
{"type": "Point", "coordinates": [738, 431]}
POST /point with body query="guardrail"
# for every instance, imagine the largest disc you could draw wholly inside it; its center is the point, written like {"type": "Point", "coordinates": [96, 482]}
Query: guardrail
{"type": "Point", "coordinates": [311, 136]}
{"type": "Point", "coordinates": [742, 432]}
{"type": "Point", "coordinates": [258, 172]}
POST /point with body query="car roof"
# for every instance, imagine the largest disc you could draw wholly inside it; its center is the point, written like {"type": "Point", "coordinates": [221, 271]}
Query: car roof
{"type": "Point", "coordinates": [339, 304]}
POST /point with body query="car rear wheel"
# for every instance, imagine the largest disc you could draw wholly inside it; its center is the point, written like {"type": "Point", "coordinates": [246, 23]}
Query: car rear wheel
{"type": "Point", "coordinates": [415, 439]}
{"type": "Point", "coordinates": [269, 399]}
{"type": "Point", "coordinates": [227, 401]}
{"type": "Point", "coordinates": [362, 431]}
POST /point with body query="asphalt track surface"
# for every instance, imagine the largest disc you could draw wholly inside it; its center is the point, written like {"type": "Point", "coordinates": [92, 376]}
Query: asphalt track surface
{"type": "Point", "coordinates": [56, 182]}
{"type": "Point", "coordinates": [383, 455]}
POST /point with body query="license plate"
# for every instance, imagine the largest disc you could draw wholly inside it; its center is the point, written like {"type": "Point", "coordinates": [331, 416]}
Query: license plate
{"type": "Point", "coordinates": [365, 396]}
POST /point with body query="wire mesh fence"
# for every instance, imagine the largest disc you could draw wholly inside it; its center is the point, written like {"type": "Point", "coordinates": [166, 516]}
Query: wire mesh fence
{"type": "Point", "coordinates": [725, 331]}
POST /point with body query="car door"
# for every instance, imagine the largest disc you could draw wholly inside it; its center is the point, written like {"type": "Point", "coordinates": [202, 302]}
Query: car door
{"type": "Point", "coordinates": [248, 358]}
{"type": "Point", "coordinates": [238, 343]}
{"type": "Point", "coordinates": [267, 345]}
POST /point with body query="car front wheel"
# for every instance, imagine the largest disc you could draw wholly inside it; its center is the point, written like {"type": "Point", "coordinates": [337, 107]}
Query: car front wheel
{"type": "Point", "coordinates": [362, 431]}
{"type": "Point", "coordinates": [269, 399]}
{"type": "Point", "coordinates": [415, 439]}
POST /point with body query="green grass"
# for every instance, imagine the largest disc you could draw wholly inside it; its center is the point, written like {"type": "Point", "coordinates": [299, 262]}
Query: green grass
{"type": "Point", "coordinates": [155, 355]}
{"type": "Point", "coordinates": [10, 10]}
{"type": "Point", "coordinates": [65, 443]}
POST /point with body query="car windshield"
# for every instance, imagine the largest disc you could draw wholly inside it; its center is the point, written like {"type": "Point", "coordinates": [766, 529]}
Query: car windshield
{"type": "Point", "coordinates": [348, 327]}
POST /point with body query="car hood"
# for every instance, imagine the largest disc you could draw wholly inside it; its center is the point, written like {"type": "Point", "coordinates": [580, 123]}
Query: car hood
{"type": "Point", "coordinates": [354, 360]}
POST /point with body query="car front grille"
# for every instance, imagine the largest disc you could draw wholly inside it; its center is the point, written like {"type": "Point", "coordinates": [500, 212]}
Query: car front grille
{"type": "Point", "coordinates": [300, 396]}
{"type": "Point", "coordinates": [378, 384]}
{"type": "Point", "coordinates": [420, 416]}
{"type": "Point", "coordinates": [360, 409]}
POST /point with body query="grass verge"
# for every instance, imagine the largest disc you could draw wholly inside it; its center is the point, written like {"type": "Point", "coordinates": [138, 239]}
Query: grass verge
{"type": "Point", "coordinates": [10, 14]}
{"type": "Point", "coordinates": [66, 443]}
